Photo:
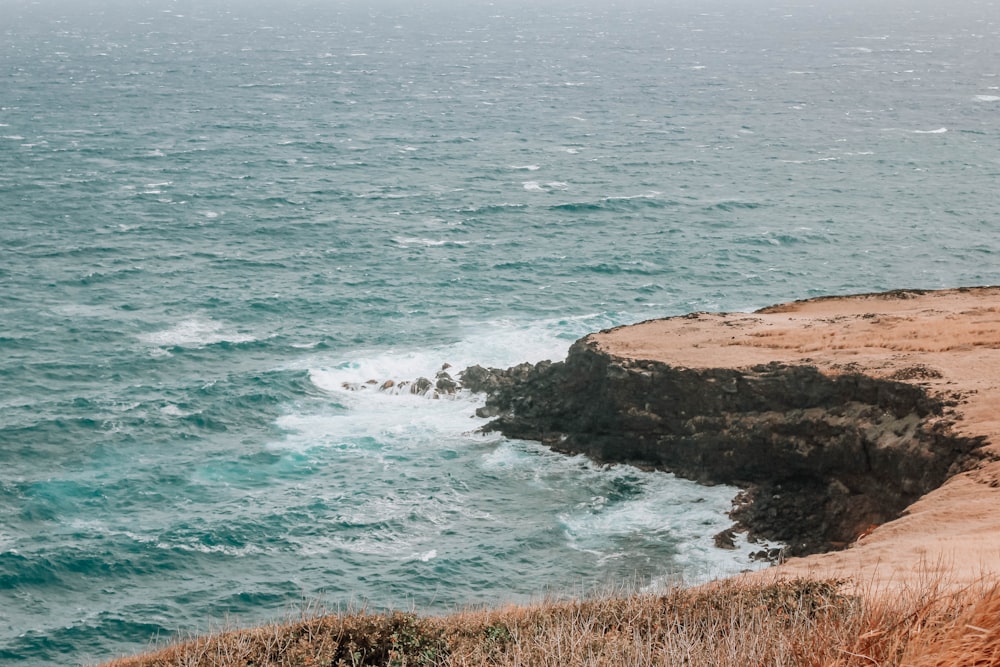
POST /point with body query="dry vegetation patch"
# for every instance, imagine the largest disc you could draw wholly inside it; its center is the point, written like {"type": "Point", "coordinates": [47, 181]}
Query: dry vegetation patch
{"type": "Point", "coordinates": [802, 622]}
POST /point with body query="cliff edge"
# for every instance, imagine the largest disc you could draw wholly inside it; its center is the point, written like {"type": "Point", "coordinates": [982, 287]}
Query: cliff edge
{"type": "Point", "coordinates": [866, 421]}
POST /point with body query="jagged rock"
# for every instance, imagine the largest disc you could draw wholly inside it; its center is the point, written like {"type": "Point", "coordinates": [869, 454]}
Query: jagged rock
{"type": "Point", "coordinates": [445, 384]}
{"type": "Point", "coordinates": [490, 381]}
{"type": "Point", "coordinates": [421, 386]}
{"type": "Point", "coordinates": [725, 539]}
{"type": "Point", "coordinates": [477, 379]}
{"type": "Point", "coordinates": [772, 555]}
{"type": "Point", "coordinates": [487, 412]}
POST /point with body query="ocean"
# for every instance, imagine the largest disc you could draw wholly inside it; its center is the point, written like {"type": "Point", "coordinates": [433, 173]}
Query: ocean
{"type": "Point", "coordinates": [214, 215]}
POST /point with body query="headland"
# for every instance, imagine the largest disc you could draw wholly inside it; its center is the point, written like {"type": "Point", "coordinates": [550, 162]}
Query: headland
{"type": "Point", "coordinates": [864, 429]}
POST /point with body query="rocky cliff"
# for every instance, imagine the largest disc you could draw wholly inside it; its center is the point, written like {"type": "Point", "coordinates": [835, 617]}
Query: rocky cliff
{"type": "Point", "coordinates": [822, 457]}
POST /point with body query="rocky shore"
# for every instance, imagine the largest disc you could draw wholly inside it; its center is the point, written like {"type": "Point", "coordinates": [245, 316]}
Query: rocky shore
{"type": "Point", "coordinates": [835, 415]}
{"type": "Point", "coordinates": [822, 458]}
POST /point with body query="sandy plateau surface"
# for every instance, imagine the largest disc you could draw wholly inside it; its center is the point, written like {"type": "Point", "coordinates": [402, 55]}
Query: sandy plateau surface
{"type": "Point", "coordinates": [946, 341]}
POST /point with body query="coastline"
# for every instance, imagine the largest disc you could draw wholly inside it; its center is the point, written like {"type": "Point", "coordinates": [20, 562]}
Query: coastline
{"type": "Point", "coordinates": [917, 371]}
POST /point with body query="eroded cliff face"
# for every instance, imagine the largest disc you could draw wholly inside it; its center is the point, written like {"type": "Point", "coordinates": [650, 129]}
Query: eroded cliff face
{"type": "Point", "coordinates": [822, 458]}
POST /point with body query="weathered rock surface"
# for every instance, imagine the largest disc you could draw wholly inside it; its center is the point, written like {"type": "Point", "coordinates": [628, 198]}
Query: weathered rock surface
{"type": "Point", "coordinates": [822, 457]}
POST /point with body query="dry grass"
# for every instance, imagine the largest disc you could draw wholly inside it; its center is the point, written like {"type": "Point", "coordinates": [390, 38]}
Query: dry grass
{"type": "Point", "coordinates": [971, 639]}
{"type": "Point", "coordinates": [802, 622]}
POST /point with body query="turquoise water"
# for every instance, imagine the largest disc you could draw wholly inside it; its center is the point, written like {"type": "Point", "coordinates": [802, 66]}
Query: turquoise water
{"type": "Point", "coordinates": [213, 215]}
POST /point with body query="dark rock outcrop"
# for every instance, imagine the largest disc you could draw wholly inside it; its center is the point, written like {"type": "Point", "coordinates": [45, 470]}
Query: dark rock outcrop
{"type": "Point", "coordinates": [822, 458]}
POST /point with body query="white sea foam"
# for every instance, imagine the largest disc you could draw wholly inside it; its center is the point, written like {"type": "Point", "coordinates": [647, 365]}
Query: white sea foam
{"type": "Point", "coordinates": [172, 410]}
{"type": "Point", "coordinates": [940, 130]}
{"type": "Point", "coordinates": [407, 420]}
{"type": "Point", "coordinates": [988, 98]}
{"type": "Point", "coordinates": [527, 167]}
{"type": "Point", "coordinates": [663, 509]}
{"type": "Point", "coordinates": [652, 194]}
{"type": "Point", "coordinates": [194, 332]}
{"type": "Point", "coordinates": [236, 552]}
{"type": "Point", "coordinates": [535, 186]}
{"type": "Point", "coordinates": [408, 241]}
{"type": "Point", "coordinates": [633, 510]}
{"type": "Point", "coordinates": [498, 343]}
{"type": "Point", "coordinates": [373, 420]}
